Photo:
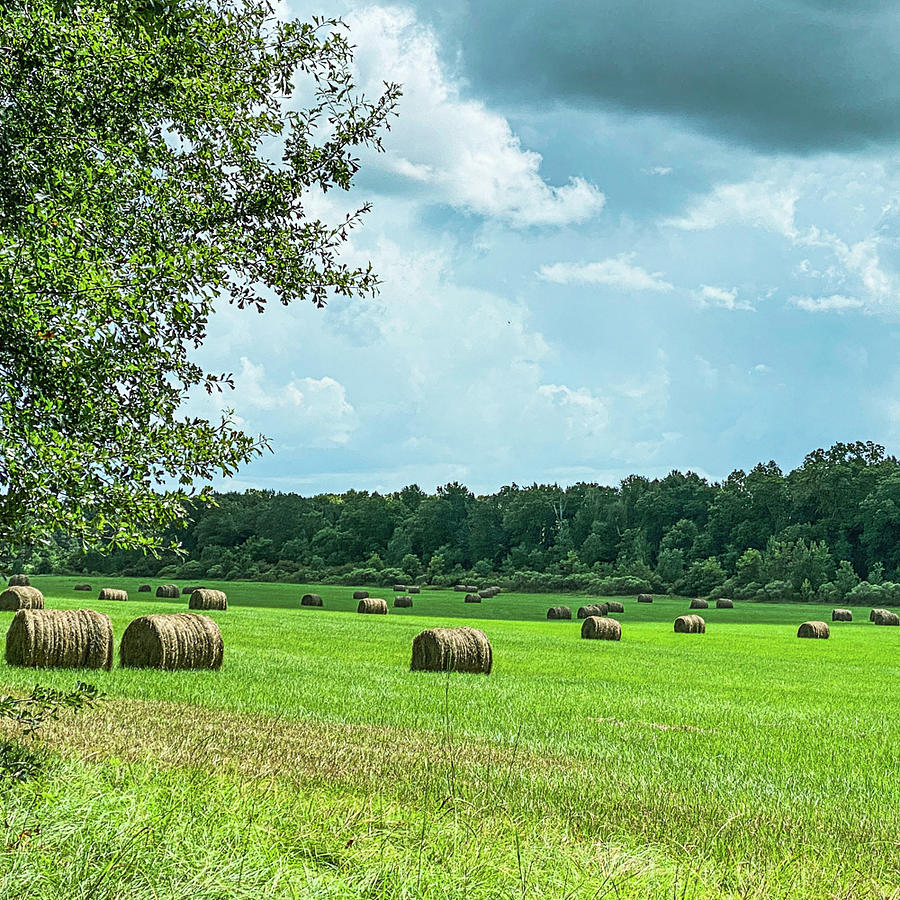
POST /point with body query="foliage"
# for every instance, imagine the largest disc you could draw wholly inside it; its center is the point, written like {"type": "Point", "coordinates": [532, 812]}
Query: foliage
{"type": "Point", "coordinates": [46, 704]}
{"type": "Point", "coordinates": [153, 163]}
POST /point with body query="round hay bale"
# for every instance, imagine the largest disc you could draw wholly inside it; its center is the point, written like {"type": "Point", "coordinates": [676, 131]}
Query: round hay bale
{"type": "Point", "coordinates": [559, 612]}
{"type": "Point", "coordinates": [594, 609]}
{"type": "Point", "coordinates": [885, 617]}
{"type": "Point", "coordinates": [60, 638]}
{"type": "Point", "coordinates": [360, 595]}
{"type": "Point", "coordinates": [472, 588]}
{"type": "Point", "coordinates": [21, 597]}
{"type": "Point", "coordinates": [206, 598]}
{"type": "Point", "coordinates": [190, 590]}
{"type": "Point", "coordinates": [310, 600]}
{"type": "Point", "coordinates": [841, 615]}
{"type": "Point", "coordinates": [724, 603]}
{"type": "Point", "coordinates": [460, 588]}
{"type": "Point", "coordinates": [19, 581]}
{"type": "Point", "coordinates": [452, 650]}
{"type": "Point", "coordinates": [82, 587]}
{"type": "Point", "coordinates": [600, 628]}
{"type": "Point", "coordinates": [813, 630]}
{"type": "Point", "coordinates": [473, 598]}
{"type": "Point", "coordinates": [690, 625]}
{"type": "Point", "coordinates": [403, 602]}
{"type": "Point", "coordinates": [399, 588]}
{"type": "Point", "coordinates": [112, 594]}
{"type": "Point", "coordinates": [144, 589]}
{"type": "Point", "coordinates": [168, 591]}
{"type": "Point", "coordinates": [614, 606]}
{"type": "Point", "coordinates": [645, 598]}
{"type": "Point", "coordinates": [414, 589]}
{"type": "Point", "coordinates": [373, 605]}
{"type": "Point", "coordinates": [172, 641]}
{"type": "Point", "coordinates": [697, 603]}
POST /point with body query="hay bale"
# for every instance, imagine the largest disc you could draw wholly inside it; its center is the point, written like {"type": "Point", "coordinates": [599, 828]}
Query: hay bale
{"type": "Point", "coordinates": [885, 617]}
{"type": "Point", "coordinates": [82, 587]}
{"type": "Point", "coordinates": [614, 606]}
{"type": "Point", "coordinates": [472, 588]}
{"type": "Point", "coordinates": [645, 598]}
{"type": "Point", "coordinates": [144, 589]}
{"type": "Point", "coordinates": [399, 588]}
{"type": "Point", "coordinates": [60, 638]}
{"type": "Point", "coordinates": [168, 591]}
{"type": "Point", "coordinates": [206, 598]}
{"type": "Point", "coordinates": [813, 630]}
{"type": "Point", "coordinates": [19, 581]}
{"type": "Point", "coordinates": [190, 590]}
{"type": "Point", "coordinates": [690, 625]}
{"type": "Point", "coordinates": [414, 589]}
{"type": "Point", "coordinates": [21, 597]}
{"type": "Point", "coordinates": [373, 605]}
{"type": "Point", "coordinates": [403, 602]}
{"type": "Point", "coordinates": [724, 603]}
{"type": "Point", "coordinates": [559, 612]}
{"type": "Point", "coordinates": [360, 595]}
{"type": "Point", "coordinates": [460, 588]}
{"type": "Point", "coordinates": [310, 600]}
{"type": "Point", "coordinates": [601, 628]}
{"type": "Point", "coordinates": [841, 615]}
{"type": "Point", "coordinates": [594, 609]}
{"type": "Point", "coordinates": [172, 641]}
{"type": "Point", "coordinates": [452, 650]}
{"type": "Point", "coordinates": [697, 603]}
{"type": "Point", "coordinates": [473, 598]}
{"type": "Point", "coordinates": [113, 594]}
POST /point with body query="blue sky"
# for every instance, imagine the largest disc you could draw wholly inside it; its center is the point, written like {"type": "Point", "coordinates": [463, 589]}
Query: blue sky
{"type": "Point", "coordinates": [633, 238]}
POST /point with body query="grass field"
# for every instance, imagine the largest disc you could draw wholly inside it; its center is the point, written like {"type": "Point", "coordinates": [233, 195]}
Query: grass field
{"type": "Point", "coordinates": [743, 763]}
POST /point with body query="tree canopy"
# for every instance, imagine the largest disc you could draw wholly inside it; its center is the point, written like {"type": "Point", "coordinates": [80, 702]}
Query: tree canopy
{"type": "Point", "coordinates": [154, 160]}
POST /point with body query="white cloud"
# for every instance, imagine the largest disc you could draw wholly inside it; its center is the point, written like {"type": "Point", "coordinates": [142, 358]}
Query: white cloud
{"type": "Point", "coordinates": [615, 272]}
{"type": "Point", "coordinates": [659, 171]}
{"type": "Point", "coordinates": [726, 298]}
{"type": "Point", "coordinates": [584, 414]}
{"type": "Point", "coordinates": [465, 153]}
{"type": "Point", "coordinates": [762, 204]}
{"type": "Point", "coordinates": [834, 303]}
{"type": "Point", "coordinates": [762, 369]}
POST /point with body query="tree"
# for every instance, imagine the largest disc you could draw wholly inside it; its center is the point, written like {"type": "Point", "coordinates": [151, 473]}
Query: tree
{"type": "Point", "coordinates": [151, 166]}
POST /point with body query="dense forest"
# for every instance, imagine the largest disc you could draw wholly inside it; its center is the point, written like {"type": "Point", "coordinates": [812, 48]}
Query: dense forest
{"type": "Point", "coordinates": [828, 530]}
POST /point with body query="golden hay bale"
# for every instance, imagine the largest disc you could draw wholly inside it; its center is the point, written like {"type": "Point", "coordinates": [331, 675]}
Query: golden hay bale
{"type": "Point", "coordinates": [697, 603]}
{"type": "Point", "coordinates": [21, 597]}
{"type": "Point", "coordinates": [645, 598]}
{"type": "Point", "coordinates": [206, 598]}
{"type": "Point", "coordinates": [452, 650]}
{"type": "Point", "coordinates": [144, 589]}
{"type": "Point", "coordinates": [310, 600]}
{"type": "Point", "coordinates": [600, 628]}
{"type": "Point", "coordinates": [414, 589]}
{"type": "Point", "coordinates": [593, 609]}
{"type": "Point", "coordinates": [473, 598]}
{"type": "Point", "coordinates": [82, 587]}
{"type": "Point", "coordinates": [60, 638]}
{"type": "Point", "coordinates": [559, 612]}
{"type": "Point", "coordinates": [885, 617]}
{"type": "Point", "coordinates": [690, 625]}
{"type": "Point", "coordinates": [19, 581]}
{"type": "Point", "coordinates": [841, 615]}
{"type": "Point", "coordinates": [190, 590]}
{"type": "Point", "coordinates": [373, 605]}
{"type": "Point", "coordinates": [168, 591]}
{"type": "Point", "coordinates": [112, 594]}
{"type": "Point", "coordinates": [172, 641]}
{"type": "Point", "coordinates": [360, 595]}
{"type": "Point", "coordinates": [399, 588]}
{"type": "Point", "coordinates": [724, 603]}
{"type": "Point", "coordinates": [614, 606]}
{"type": "Point", "coordinates": [404, 601]}
{"type": "Point", "coordinates": [813, 630]}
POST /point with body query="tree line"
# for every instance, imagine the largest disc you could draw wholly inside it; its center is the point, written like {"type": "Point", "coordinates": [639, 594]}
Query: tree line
{"type": "Point", "coordinates": [827, 530]}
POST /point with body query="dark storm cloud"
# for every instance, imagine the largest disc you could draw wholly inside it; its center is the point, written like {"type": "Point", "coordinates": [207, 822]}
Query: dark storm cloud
{"type": "Point", "coordinates": [781, 75]}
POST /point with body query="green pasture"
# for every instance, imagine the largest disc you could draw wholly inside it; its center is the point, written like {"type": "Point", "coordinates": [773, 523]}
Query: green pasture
{"type": "Point", "coordinates": [739, 763]}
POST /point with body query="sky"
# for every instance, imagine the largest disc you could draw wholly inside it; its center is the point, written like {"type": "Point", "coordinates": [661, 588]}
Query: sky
{"type": "Point", "coordinates": [621, 239]}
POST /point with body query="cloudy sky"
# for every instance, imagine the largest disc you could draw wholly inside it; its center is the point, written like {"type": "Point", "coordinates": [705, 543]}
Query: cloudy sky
{"type": "Point", "coordinates": [641, 236]}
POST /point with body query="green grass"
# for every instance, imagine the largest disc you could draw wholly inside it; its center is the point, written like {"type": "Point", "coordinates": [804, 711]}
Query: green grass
{"type": "Point", "coordinates": [739, 763]}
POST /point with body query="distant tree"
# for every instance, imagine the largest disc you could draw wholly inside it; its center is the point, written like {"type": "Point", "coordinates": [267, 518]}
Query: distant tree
{"type": "Point", "coordinates": [152, 165]}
